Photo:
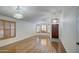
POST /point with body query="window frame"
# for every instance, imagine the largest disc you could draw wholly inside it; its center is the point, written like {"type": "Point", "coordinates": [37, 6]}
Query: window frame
{"type": "Point", "coordinates": [5, 29]}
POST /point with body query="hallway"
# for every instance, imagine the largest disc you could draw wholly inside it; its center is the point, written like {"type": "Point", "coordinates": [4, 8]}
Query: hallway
{"type": "Point", "coordinates": [39, 29]}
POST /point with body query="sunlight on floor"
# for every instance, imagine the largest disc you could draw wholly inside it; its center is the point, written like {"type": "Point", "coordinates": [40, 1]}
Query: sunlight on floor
{"type": "Point", "coordinates": [43, 42]}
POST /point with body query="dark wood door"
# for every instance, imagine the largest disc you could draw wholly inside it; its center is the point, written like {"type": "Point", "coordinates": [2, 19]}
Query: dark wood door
{"type": "Point", "coordinates": [55, 30]}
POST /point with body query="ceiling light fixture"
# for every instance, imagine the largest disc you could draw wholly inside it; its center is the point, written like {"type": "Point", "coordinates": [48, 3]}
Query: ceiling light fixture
{"type": "Point", "coordinates": [55, 21]}
{"type": "Point", "coordinates": [18, 15]}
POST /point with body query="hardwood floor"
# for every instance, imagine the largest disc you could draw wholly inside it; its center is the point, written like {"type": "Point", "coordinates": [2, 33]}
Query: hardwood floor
{"type": "Point", "coordinates": [35, 44]}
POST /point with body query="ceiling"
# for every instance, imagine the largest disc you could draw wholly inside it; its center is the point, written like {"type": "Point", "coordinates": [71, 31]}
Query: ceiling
{"type": "Point", "coordinates": [31, 13]}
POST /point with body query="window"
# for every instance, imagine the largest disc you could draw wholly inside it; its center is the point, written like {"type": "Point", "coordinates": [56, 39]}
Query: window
{"type": "Point", "coordinates": [1, 30]}
{"type": "Point", "coordinates": [37, 28]}
{"type": "Point", "coordinates": [13, 33]}
{"type": "Point", "coordinates": [7, 29]}
{"type": "Point", "coordinates": [41, 28]}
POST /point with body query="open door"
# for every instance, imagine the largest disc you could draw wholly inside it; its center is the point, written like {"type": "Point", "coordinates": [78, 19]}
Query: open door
{"type": "Point", "coordinates": [55, 30]}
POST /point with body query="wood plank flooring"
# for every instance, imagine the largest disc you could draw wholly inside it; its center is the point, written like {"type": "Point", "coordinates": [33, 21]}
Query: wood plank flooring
{"type": "Point", "coordinates": [35, 44]}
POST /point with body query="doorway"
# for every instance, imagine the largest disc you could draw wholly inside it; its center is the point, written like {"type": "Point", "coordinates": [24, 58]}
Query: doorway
{"type": "Point", "coordinates": [55, 30]}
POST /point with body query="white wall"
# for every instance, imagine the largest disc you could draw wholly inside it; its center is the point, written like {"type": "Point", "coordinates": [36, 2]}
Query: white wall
{"type": "Point", "coordinates": [78, 29]}
{"type": "Point", "coordinates": [67, 28]}
{"type": "Point", "coordinates": [23, 30]}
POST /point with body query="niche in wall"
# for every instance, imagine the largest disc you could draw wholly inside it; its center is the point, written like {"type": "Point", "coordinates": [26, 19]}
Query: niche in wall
{"type": "Point", "coordinates": [7, 29]}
